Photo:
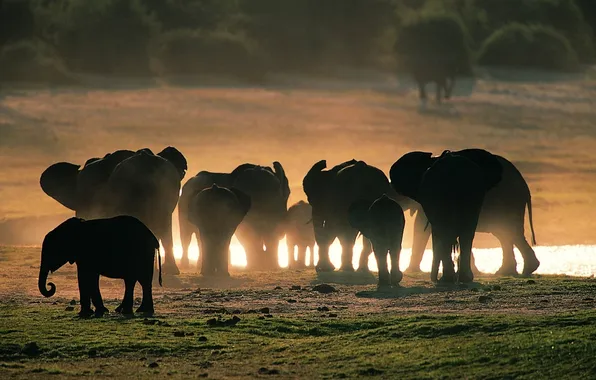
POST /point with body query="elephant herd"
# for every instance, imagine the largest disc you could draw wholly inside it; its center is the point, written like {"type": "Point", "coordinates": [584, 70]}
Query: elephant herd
{"type": "Point", "coordinates": [454, 195]}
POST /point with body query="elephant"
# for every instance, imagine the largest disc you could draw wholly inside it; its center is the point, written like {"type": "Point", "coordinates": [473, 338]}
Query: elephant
{"type": "Point", "coordinates": [119, 247]}
{"type": "Point", "coordinates": [268, 190]}
{"type": "Point", "coordinates": [124, 182]}
{"type": "Point", "coordinates": [217, 212]}
{"type": "Point", "coordinates": [330, 193]}
{"type": "Point", "coordinates": [383, 222]}
{"type": "Point", "coordinates": [451, 191]}
{"type": "Point", "coordinates": [502, 214]}
{"type": "Point", "coordinates": [300, 233]}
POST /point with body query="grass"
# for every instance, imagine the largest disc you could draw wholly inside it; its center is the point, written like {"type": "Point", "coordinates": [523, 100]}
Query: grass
{"type": "Point", "coordinates": [496, 328]}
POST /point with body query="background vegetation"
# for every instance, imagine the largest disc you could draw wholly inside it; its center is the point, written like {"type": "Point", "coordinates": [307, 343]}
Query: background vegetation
{"type": "Point", "coordinates": [248, 38]}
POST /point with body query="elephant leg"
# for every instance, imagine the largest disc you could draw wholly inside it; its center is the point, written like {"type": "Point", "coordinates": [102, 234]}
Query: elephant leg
{"type": "Point", "coordinates": [252, 244]}
{"type": "Point", "coordinates": [96, 298]}
{"type": "Point", "coordinates": [186, 231]}
{"type": "Point", "coordinates": [442, 254]}
{"type": "Point", "coordinates": [311, 256]}
{"type": "Point", "coordinates": [271, 254]}
{"type": "Point", "coordinates": [367, 249]}
{"type": "Point", "coordinates": [509, 264]}
{"type": "Point", "coordinates": [422, 233]}
{"type": "Point", "coordinates": [85, 286]}
{"type": "Point", "coordinates": [208, 264]}
{"type": "Point", "coordinates": [146, 306]}
{"type": "Point", "coordinates": [169, 266]}
{"type": "Point", "coordinates": [531, 262]}
{"type": "Point", "coordinates": [396, 274]}
{"type": "Point", "coordinates": [384, 279]}
{"type": "Point", "coordinates": [347, 251]}
{"type": "Point", "coordinates": [291, 254]}
{"type": "Point", "coordinates": [223, 261]}
{"type": "Point", "coordinates": [440, 85]}
{"type": "Point", "coordinates": [301, 261]}
{"type": "Point", "coordinates": [127, 303]}
{"type": "Point", "coordinates": [464, 270]}
{"type": "Point", "coordinates": [324, 263]}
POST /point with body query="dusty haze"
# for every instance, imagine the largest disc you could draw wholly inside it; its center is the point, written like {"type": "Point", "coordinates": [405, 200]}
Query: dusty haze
{"type": "Point", "coordinates": [546, 128]}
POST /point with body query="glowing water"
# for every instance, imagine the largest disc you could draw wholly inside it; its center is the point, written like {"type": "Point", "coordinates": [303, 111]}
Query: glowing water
{"type": "Point", "coordinates": [573, 260]}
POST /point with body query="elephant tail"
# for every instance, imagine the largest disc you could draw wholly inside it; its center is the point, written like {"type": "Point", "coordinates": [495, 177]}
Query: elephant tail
{"type": "Point", "coordinates": [531, 220]}
{"type": "Point", "coordinates": [159, 265]}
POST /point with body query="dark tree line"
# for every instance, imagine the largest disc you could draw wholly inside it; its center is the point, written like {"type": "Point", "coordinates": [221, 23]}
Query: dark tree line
{"type": "Point", "coordinates": [247, 38]}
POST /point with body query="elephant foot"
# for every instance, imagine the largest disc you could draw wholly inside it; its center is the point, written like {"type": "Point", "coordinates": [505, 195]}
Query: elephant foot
{"type": "Point", "coordinates": [346, 268]}
{"type": "Point", "coordinates": [465, 277]}
{"type": "Point", "coordinates": [170, 267]}
{"type": "Point", "coordinates": [119, 308]}
{"type": "Point", "coordinates": [413, 269]}
{"type": "Point", "coordinates": [396, 277]}
{"type": "Point", "coordinates": [530, 266]}
{"type": "Point", "coordinates": [85, 313]}
{"type": "Point", "coordinates": [145, 310]}
{"type": "Point", "coordinates": [447, 279]}
{"type": "Point", "coordinates": [363, 270]}
{"type": "Point", "coordinates": [184, 262]}
{"type": "Point", "coordinates": [101, 311]}
{"type": "Point", "coordinates": [324, 266]}
{"type": "Point", "coordinates": [506, 271]}
{"type": "Point", "coordinates": [383, 288]}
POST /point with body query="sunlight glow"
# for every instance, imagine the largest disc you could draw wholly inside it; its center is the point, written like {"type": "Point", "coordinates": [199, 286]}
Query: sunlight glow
{"type": "Point", "coordinates": [573, 260]}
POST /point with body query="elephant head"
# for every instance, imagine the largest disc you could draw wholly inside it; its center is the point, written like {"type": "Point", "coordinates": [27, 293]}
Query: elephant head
{"type": "Point", "coordinates": [59, 181]}
{"type": "Point", "coordinates": [407, 172]}
{"type": "Point", "coordinates": [58, 249]}
{"type": "Point", "coordinates": [380, 220]}
{"type": "Point", "coordinates": [176, 158]}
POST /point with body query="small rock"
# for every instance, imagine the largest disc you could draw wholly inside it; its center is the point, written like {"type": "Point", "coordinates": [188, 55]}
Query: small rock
{"type": "Point", "coordinates": [153, 365]}
{"type": "Point", "coordinates": [232, 321]}
{"type": "Point", "coordinates": [202, 338]}
{"type": "Point", "coordinates": [203, 375]}
{"type": "Point", "coordinates": [179, 334]}
{"type": "Point", "coordinates": [268, 316]}
{"type": "Point", "coordinates": [236, 311]}
{"type": "Point", "coordinates": [295, 287]}
{"type": "Point", "coordinates": [474, 290]}
{"type": "Point", "coordinates": [72, 302]}
{"type": "Point", "coordinates": [496, 287]}
{"type": "Point", "coordinates": [31, 349]}
{"type": "Point", "coordinates": [544, 301]}
{"type": "Point", "coordinates": [261, 317]}
{"type": "Point", "coordinates": [278, 288]}
{"type": "Point", "coordinates": [55, 303]}
{"type": "Point", "coordinates": [267, 371]}
{"type": "Point", "coordinates": [292, 301]}
{"type": "Point", "coordinates": [324, 288]}
{"type": "Point", "coordinates": [206, 364]}
{"type": "Point", "coordinates": [484, 299]}
{"type": "Point", "coordinates": [370, 372]}
{"type": "Point", "coordinates": [530, 282]}
{"type": "Point", "coordinates": [212, 322]}
{"type": "Point", "coordinates": [92, 353]}
{"type": "Point", "coordinates": [588, 299]}
{"type": "Point", "coordinates": [264, 310]}
{"type": "Point", "coordinates": [323, 308]}
{"type": "Point", "coordinates": [332, 315]}
{"type": "Point", "coordinates": [190, 334]}
{"type": "Point", "coordinates": [164, 324]}
{"type": "Point", "coordinates": [69, 308]}
{"type": "Point", "coordinates": [150, 321]}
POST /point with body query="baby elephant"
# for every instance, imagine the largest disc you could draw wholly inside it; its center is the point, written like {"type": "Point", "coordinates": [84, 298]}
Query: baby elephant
{"type": "Point", "coordinates": [300, 233]}
{"type": "Point", "coordinates": [120, 247]}
{"type": "Point", "coordinates": [217, 212]}
{"type": "Point", "coordinates": [381, 221]}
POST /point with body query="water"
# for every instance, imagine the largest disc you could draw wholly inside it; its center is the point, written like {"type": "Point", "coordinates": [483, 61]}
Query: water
{"type": "Point", "coordinates": [572, 260]}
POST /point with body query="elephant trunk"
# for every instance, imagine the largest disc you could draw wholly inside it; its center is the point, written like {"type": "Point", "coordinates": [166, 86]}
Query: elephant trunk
{"type": "Point", "coordinates": [43, 276]}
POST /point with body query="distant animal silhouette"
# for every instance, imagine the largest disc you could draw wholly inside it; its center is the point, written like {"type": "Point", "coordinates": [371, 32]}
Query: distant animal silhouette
{"type": "Point", "coordinates": [120, 247]}
{"type": "Point", "coordinates": [330, 193]}
{"type": "Point", "coordinates": [451, 191]}
{"type": "Point", "coordinates": [381, 221]}
{"type": "Point", "coordinates": [268, 190]}
{"type": "Point", "coordinates": [124, 182]}
{"type": "Point", "coordinates": [502, 214]}
{"type": "Point", "coordinates": [217, 212]}
{"type": "Point", "coordinates": [300, 234]}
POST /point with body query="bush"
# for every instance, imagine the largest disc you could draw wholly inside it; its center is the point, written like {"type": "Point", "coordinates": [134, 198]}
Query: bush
{"type": "Point", "coordinates": [32, 61]}
{"type": "Point", "coordinates": [100, 37]}
{"type": "Point", "coordinates": [433, 39]}
{"type": "Point", "coordinates": [528, 46]}
{"type": "Point", "coordinates": [562, 15]}
{"type": "Point", "coordinates": [188, 52]}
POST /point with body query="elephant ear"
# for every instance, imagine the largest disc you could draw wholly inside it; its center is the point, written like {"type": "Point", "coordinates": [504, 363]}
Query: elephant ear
{"type": "Point", "coordinates": [59, 181]}
{"type": "Point", "coordinates": [243, 199]}
{"type": "Point", "coordinates": [312, 179]}
{"type": "Point", "coordinates": [176, 158]}
{"type": "Point", "coordinates": [358, 216]}
{"type": "Point", "coordinates": [280, 173]}
{"type": "Point", "coordinates": [406, 173]}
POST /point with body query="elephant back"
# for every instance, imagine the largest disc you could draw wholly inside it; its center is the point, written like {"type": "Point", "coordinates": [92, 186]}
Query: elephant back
{"type": "Point", "coordinates": [488, 162]}
{"type": "Point", "coordinates": [359, 182]}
